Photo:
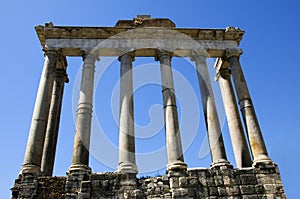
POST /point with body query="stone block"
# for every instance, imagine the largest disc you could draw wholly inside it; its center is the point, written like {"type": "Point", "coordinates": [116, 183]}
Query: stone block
{"type": "Point", "coordinates": [247, 189]}
{"type": "Point", "coordinates": [174, 182]}
{"type": "Point", "coordinates": [71, 196]}
{"type": "Point", "coordinates": [222, 191]}
{"type": "Point", "coordinates": [192, 192]}
{"type": "Point", "coordinates": [248, 179]}
{"type": "Point", "coordinates": [192, 181]}
{"type": "Point", "coordinates": [95, 184]}
{"type": "Point", "coordinates": [227, 181]}
{"type": "Point", "coordinates": [265, 179]}
{"type": "Point", "coordinates": [181, 192]}
{"type": "Point", "coordinates": [219, 180]}
{"type": "Point", "coordinates": [210, 182]}
{"type": "Point", "coordinates": [165, 178]}
{"type": "Point", "coordinates": [259, 189]}
{"type": "Point", "coordinates": [202, 192]}
{"type": "Point", "coordinates": [268, 196]}
{"type": "Point", "coordinates": [281, 196]}
{"type": "Point", "coordinates": [270, 188]}
{"type": "Point", "coordinates": [182, 182]}
{"type": "Point", "coordinates": [280, 188]}
{"type": "Point", "coordinates": [203, 181]}
{"type": "Point", "coordinates": [249, 197]}
{"type": "Point", "coordinates": [213, 191]}
{"type": "Point", "coordinates": [233, 191]}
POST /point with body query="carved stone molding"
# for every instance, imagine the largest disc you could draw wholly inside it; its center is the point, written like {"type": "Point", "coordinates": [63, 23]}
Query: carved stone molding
{"type": "Point", "coordinates": [233, 52]}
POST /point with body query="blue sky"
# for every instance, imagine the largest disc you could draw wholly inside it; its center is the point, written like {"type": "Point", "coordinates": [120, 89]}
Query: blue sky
{"type": "Point", "coordinates": [271, 48]}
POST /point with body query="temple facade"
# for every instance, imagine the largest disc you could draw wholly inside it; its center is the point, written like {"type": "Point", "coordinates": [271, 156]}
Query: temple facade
{"type": "Point", "coordinates": [255, 174]}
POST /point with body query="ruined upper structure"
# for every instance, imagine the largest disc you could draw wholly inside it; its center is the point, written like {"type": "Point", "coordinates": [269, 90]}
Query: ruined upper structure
{"type": "Point", "coordinates": [143, 36]}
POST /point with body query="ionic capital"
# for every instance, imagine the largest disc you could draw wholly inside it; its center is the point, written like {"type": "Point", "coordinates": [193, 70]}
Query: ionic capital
{"type": "Point", "coordinates": [199, 55]}
{"type": "Point", "coordinates": [235, 52]}
{"type": "Point", "coordinates": [62, 74]}
{"type": "Point", "coordinates": [223, 73]}
{"type": "Point", "coordinates": [160, 53]}
{"type": "Point", "coordinates": [54, 52]}
{"type": "Point", "coordinates": [129, 54]}
{"type": "Point", "coordinates": [90, 56]}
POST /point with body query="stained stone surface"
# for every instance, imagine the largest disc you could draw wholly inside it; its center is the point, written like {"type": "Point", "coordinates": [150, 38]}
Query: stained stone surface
{"type": "Point", "coordinates": [145, 35]}
{"type": "Point", "coordinates": [221, 182]}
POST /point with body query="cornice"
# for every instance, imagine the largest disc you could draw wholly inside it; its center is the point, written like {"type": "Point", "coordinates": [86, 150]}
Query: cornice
{"type": "Point", "coordinates": [49, 31]}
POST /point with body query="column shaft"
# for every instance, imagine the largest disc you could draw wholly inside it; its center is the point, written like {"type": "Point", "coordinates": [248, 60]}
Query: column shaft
{"type": "Point", "coordinates": [80, 158]}
{"type": "Point", "coordinates": [255, 136]}
{"type": "Point", "coordinates": [214, 133]}
{"type": "Point", "coordinates": [173, 139]}
{"type": "Point", "coordinates": [126, 129]}
{"type": "Point", "coordinates": [34, 149]}
{"type": "Point", "coordinates": [53, 123]}
{"type": "Point", "coordinates": [240, 148]}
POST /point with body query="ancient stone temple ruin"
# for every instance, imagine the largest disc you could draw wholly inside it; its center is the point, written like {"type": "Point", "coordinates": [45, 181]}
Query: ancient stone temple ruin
{"type": "Point", "coordinates": [255, 175]}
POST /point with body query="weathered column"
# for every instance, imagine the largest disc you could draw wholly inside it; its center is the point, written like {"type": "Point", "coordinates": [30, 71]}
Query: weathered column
{"type": "Point", "coordinates": [53, 122]}
{"type": "Point", "coordinates": [215, 139]}
{"type": "Point", "coordinates": [126, 127]}
{"type": "Point", "coordinates": [239, 144]}
{"type": "Point", "coordinates": [173, 140]}
{"type": "Point", "coordinates": [255, 136]}
{"type": "Point", "coordinates": [80, 158]}
{"type": "Point", "coordinates": [34, 149]}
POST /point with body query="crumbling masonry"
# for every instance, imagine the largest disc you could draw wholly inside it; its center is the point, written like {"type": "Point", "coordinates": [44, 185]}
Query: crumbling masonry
{"type": "Point", "coordinates": [256, 176]}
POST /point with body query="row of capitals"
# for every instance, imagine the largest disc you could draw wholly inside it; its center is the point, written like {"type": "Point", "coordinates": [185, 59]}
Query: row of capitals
{"type": "Point", "coordinates": [158, 52]}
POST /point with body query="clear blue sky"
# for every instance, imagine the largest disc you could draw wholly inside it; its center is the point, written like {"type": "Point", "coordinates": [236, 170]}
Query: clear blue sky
{"type": "Point", "coordinates": [271, 49]}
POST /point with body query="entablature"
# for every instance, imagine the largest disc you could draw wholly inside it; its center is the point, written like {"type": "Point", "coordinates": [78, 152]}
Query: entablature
{"type": "Point", "coordinates": [109, 41]}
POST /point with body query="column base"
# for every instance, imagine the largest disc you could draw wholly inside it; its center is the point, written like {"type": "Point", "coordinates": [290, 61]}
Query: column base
{"type": "Point", "coordinates": [79, 169]}
{"type": "Point", "coordinates": [263, 164]}
{"type": "Point", "coordinates": [78, 182]}
{"type": "Point", "coordinates": [127, 167]}
{"type": "Point", "coordinates": [175, 166]}
{"type": "Point", "coordinates": [31, 169]}
{"type": "Point", "coordinates": [221, 164]}
{"type": "Point", "coordinates": [262, 159]}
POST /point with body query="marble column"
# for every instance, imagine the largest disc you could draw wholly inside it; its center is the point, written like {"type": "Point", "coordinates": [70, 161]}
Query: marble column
{"type": "Point", "coordinates": [35, 144]}
{"type": "Point", "coordinates": [80, 158]}
{"type": "Point", "coordinates": [173, 139]}
{"type": "Point", "coordinates": [257, 144]}
{"type": "Point", "coordinates": [238, 139]}
{"type": "Point", "coordinates": [215, 139]}
{"type": "Point", "coordinates": [53, 122]}
{"type": "Point", "coordinates": [127, 162]}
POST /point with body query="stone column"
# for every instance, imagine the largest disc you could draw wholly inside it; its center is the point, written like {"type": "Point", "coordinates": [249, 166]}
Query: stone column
{"type": "Point", "coordinates": [34, 149]}
{"type": "Point", "coordinates": [173, 140]}
{"type": "Point", "coordinates": [239, 144]}
{"type": "Point", "coordinates": [256, 140]}
{"type": "Point", "coordinates": [217, 149]}
{"type": "Point", "coordinates": [126, 129]}
{"type": "Point", "coordinates": [53, 122]}
{"type": "Point", "coordinates": [80, 158]}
